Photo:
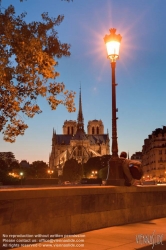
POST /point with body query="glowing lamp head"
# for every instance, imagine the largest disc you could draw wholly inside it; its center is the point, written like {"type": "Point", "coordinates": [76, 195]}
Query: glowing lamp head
{"type": "Point", "coordinates": [112, 42]}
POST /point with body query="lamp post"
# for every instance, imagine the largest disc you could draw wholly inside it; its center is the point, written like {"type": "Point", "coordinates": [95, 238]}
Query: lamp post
{"type": "Point", "coordinates": [50, 172]}
{"type": "Point", "coordinates": [115, 173]}
{"type": "Point", "coordinates": [21, 174]}
{"type": "Point", "coordinates": [112, 42]}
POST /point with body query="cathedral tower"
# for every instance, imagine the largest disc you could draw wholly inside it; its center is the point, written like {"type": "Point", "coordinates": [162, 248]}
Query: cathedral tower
{"type": "Point", "coordinates": [80, 118]}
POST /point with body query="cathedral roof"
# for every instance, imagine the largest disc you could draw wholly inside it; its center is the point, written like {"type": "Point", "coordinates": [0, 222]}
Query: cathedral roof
{"type": "Point", "coordinates": [63, 139]}
{"type": "Point", "coordinates": [98, 139]}
{"type": "Point", "coordinates": [94, 139]}
{"type": "Point", "coordinates": [80, 135]}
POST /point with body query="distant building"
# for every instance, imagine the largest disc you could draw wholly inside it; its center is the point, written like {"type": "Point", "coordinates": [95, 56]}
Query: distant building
{"type": "Point", "coordinates": [76, 143]}
{"type": "Point", "coordinates": [154, 155]}
{"type": "Point", "coordinates": [137, 156]}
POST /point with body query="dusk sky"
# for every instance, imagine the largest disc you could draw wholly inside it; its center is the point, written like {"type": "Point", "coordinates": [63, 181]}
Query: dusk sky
{"type": "Point", "coordinates": [140, 71]}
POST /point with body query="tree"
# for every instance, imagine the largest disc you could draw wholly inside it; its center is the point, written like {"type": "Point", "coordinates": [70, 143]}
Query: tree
{"type": "Point", "coordinates": [96, 164]}
{"type": "Point", "coordinates": [40, 169]}
{"type": "Point", "coordinates": [103, 172]}
{"type": "Point", "coordinates": [14, 166]}
{"type": "Point", "coordinates": [93, 164]}
{"type": "Point", "coordinates": [5, 178]}
{"type": "Point", "coordinates": [8, 157]}
{"type": "Point", "coordinates": [28, 57]}
{"type": "Point", "coordinates": [3, 166]}
{"type": "Point", "coordinates": [72, 171]}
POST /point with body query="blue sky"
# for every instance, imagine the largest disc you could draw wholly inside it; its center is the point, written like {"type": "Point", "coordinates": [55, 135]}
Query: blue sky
{"type": "Point", "coordinates": [140, 71]}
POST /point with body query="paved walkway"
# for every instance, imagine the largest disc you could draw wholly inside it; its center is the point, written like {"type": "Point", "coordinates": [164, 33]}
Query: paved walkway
{"type": "Point", "coordinates": [126, 237]}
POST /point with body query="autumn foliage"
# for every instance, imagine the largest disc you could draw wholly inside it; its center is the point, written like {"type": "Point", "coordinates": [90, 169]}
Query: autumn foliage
{"type": "Point", "coordinates": [28, 57]}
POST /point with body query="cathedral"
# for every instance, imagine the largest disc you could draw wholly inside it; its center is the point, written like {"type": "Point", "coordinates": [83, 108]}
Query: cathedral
{"type": "Point", "coordinates": [76, 143]}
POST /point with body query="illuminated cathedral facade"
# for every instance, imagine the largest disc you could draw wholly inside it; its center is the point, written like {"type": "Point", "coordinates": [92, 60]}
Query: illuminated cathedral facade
{"type": "Point", "coordinates": [76, 143]}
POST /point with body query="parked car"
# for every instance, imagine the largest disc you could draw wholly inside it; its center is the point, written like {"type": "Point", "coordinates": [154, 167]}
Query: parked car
{"type": "Point", "coordinates": [104, 182]}
{"type": "Point", "coordinates": [67, 182]}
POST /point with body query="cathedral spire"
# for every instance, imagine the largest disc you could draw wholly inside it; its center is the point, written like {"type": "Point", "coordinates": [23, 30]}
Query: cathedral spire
{"type": "Point", "coordinates": [80, 118]}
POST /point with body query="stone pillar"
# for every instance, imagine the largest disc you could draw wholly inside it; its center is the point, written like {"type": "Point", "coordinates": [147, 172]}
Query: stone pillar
{"type": "Point", "coordinates": [115, 173]}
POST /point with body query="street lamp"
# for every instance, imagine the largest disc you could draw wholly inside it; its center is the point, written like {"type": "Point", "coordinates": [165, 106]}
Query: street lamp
{"type": "Point", "coordinates": [94, 174]}
{"type": "Point", "coordinates": [115, 173]}
{"type": "Point", "coordinates": [50, 172]}
{"type": "Point", "coordinates": [112, 42]}
{"type": "Point", "coordinates": [21, 174]}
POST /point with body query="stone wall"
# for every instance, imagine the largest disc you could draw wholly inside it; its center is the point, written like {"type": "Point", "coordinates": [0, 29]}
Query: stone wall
{"type": "Point", "coordinates": [41, 181]}
{"type": "Point", "coordinates": [71, 210]}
